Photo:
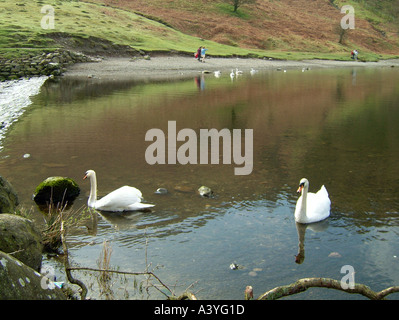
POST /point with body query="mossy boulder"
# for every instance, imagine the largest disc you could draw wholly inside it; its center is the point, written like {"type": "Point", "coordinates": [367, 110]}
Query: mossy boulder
{"type": "Point", "coordinates": [8, 197]}
{"type": "Point", "coordinates": [21, 237]}
{"type": "Point", "coordinates": [56, 189]}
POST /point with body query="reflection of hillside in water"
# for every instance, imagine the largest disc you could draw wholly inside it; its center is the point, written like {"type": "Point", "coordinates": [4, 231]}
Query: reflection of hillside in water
{"type": "Point", "coordinates": [318, 124]}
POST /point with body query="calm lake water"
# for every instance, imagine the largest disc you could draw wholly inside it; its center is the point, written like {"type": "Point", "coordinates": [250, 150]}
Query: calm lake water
{"type": "Point", "coordinates": [335, 127]}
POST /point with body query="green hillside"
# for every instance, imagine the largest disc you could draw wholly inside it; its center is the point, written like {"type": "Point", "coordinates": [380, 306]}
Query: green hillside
{"type": "Point", "coordinates": [164, 26]}
{"type": "Point", "coordinates": [21, 31]}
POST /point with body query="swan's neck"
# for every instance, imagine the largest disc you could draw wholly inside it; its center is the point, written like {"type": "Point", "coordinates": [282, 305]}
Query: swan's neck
{"type": "Point", "coordinates": [93, 191]}
{"type": "Point", "coordinates": [302, 211]}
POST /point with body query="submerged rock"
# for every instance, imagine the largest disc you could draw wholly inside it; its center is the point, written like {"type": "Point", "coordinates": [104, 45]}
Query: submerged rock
{"type": "Point", "coordinates": [235, 266]}
{"type": "Point", "coordinates": [161, 191]}
{"type": "Point", "coordinates": [205, 192]}
{"type": "Point", "coordinates": [334, 255]}
{"type": "Point", "coordinates": [20, 282]}
{"type": "Point", "coordinates": [56, 189]}
{"type": "Point", "coordinates": [8, 197]}
{"type": "Point", "coordinates": [20, 237]}
{"type": "Point", "coordinates": [184, 189]}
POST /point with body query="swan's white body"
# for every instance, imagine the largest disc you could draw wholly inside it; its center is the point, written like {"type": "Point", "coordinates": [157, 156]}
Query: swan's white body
{"type": "Point", "coordinates": [232, 74]}
{"type": "Point", "coordinates": [312, 207]}
{"type": "Point", "coordinates": [123, 199]}
{"type": "Point", "coordinates": [217, 74]}
{"type": "Point", "coordinates": [253, 71]}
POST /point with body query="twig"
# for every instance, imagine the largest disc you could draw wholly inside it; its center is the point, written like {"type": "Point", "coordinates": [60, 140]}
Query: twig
{"type": "Point", "coordinates": [306, 283]}
{"type": "Point", "coordinates": [151, 273]}
{"type": "Point", "coordinates": [184, 296]}
{"type": "Point", "coordinates": [14, 252]}
{"type": "Point", "coordinates": [122, 272]}
{"type": "Point", "coordinates": [71, 279]}
{"type": "Point", "coordinates": [104, 280]}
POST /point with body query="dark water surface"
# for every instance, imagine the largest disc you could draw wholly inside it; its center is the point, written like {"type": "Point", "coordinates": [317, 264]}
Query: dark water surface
{"type": "Point", "coordinates": [335, 127]}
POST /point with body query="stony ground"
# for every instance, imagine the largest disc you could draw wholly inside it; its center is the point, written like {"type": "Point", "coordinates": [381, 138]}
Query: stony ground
{"type": "Point", "coordinates": [178, 66]}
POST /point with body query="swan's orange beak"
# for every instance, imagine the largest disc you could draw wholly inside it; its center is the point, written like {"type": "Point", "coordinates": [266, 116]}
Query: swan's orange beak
{"type": "Point", "coordinates": [300, 189]}
{"type": "Point", "coordinates": [85, 177]}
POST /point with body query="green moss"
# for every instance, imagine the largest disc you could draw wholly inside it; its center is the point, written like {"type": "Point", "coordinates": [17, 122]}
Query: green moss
{"type": "Point", "coordinates": [56, 189]}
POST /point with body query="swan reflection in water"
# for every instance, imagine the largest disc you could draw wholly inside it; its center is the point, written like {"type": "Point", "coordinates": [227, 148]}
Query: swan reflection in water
{"type": "Point", "coordinates": [118, 220]}
{"type": "Point", "coordinates": [301, 230]}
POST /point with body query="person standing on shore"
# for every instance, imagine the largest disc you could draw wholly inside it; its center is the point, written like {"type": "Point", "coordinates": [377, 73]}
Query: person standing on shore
{"type": "Point", "coordinates": [203, 52]}
{"type": "Point", "coordinates": [198, 55]}
{"type": "Point", "coordinates": [355, 53]}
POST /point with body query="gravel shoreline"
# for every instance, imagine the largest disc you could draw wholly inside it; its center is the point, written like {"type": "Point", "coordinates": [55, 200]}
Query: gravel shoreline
{"type": "Point", "coordinates": [163, 68]}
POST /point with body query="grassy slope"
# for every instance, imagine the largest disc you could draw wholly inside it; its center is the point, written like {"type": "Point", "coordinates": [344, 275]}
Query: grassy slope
{"type": "Point", "coordinates": [20, 28]}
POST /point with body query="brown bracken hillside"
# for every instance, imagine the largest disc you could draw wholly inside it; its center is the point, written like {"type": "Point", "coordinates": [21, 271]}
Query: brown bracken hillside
{"type": "Point", "coordinates": [295, 25]}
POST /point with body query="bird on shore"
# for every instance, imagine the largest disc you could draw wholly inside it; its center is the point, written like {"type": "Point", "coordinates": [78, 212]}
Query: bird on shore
{"type": "Point", "coordinates": [238, 72]}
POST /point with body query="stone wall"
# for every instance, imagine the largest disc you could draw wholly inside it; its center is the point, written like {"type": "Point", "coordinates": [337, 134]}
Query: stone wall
{"type": "Point", "coordinates": [43, 64]}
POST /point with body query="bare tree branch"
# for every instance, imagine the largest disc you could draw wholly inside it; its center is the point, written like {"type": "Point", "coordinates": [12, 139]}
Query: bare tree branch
{"type": "Point", "coordinates": [306, 283]}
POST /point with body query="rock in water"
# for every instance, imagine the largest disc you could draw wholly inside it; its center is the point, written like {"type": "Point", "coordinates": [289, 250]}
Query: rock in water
{"type": "Point", "coordinates": [56, 189]}
{"type": "Point", "coordinates": [161, 191]}
{"type": "Point", "coordinates": [184, 189]}
{"type": "Point", "coordinates": [205, 192]}
{"type": "Point", "coordinates": [20, 282]}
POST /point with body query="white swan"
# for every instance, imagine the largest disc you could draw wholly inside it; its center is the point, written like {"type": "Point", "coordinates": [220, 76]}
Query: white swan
{"type": "Point", "coordinates": [232, 74]}
{"type": "Point", "coordinates": [253, 71]}
{"type": "Point", "coordinates": [311, 207]}
{"type": "Point", "coordinates": [123, 199]}
{"type": "Point", "coordinates": [238, 72]}
{"type": "Point", "coordinates": [217, 74]}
